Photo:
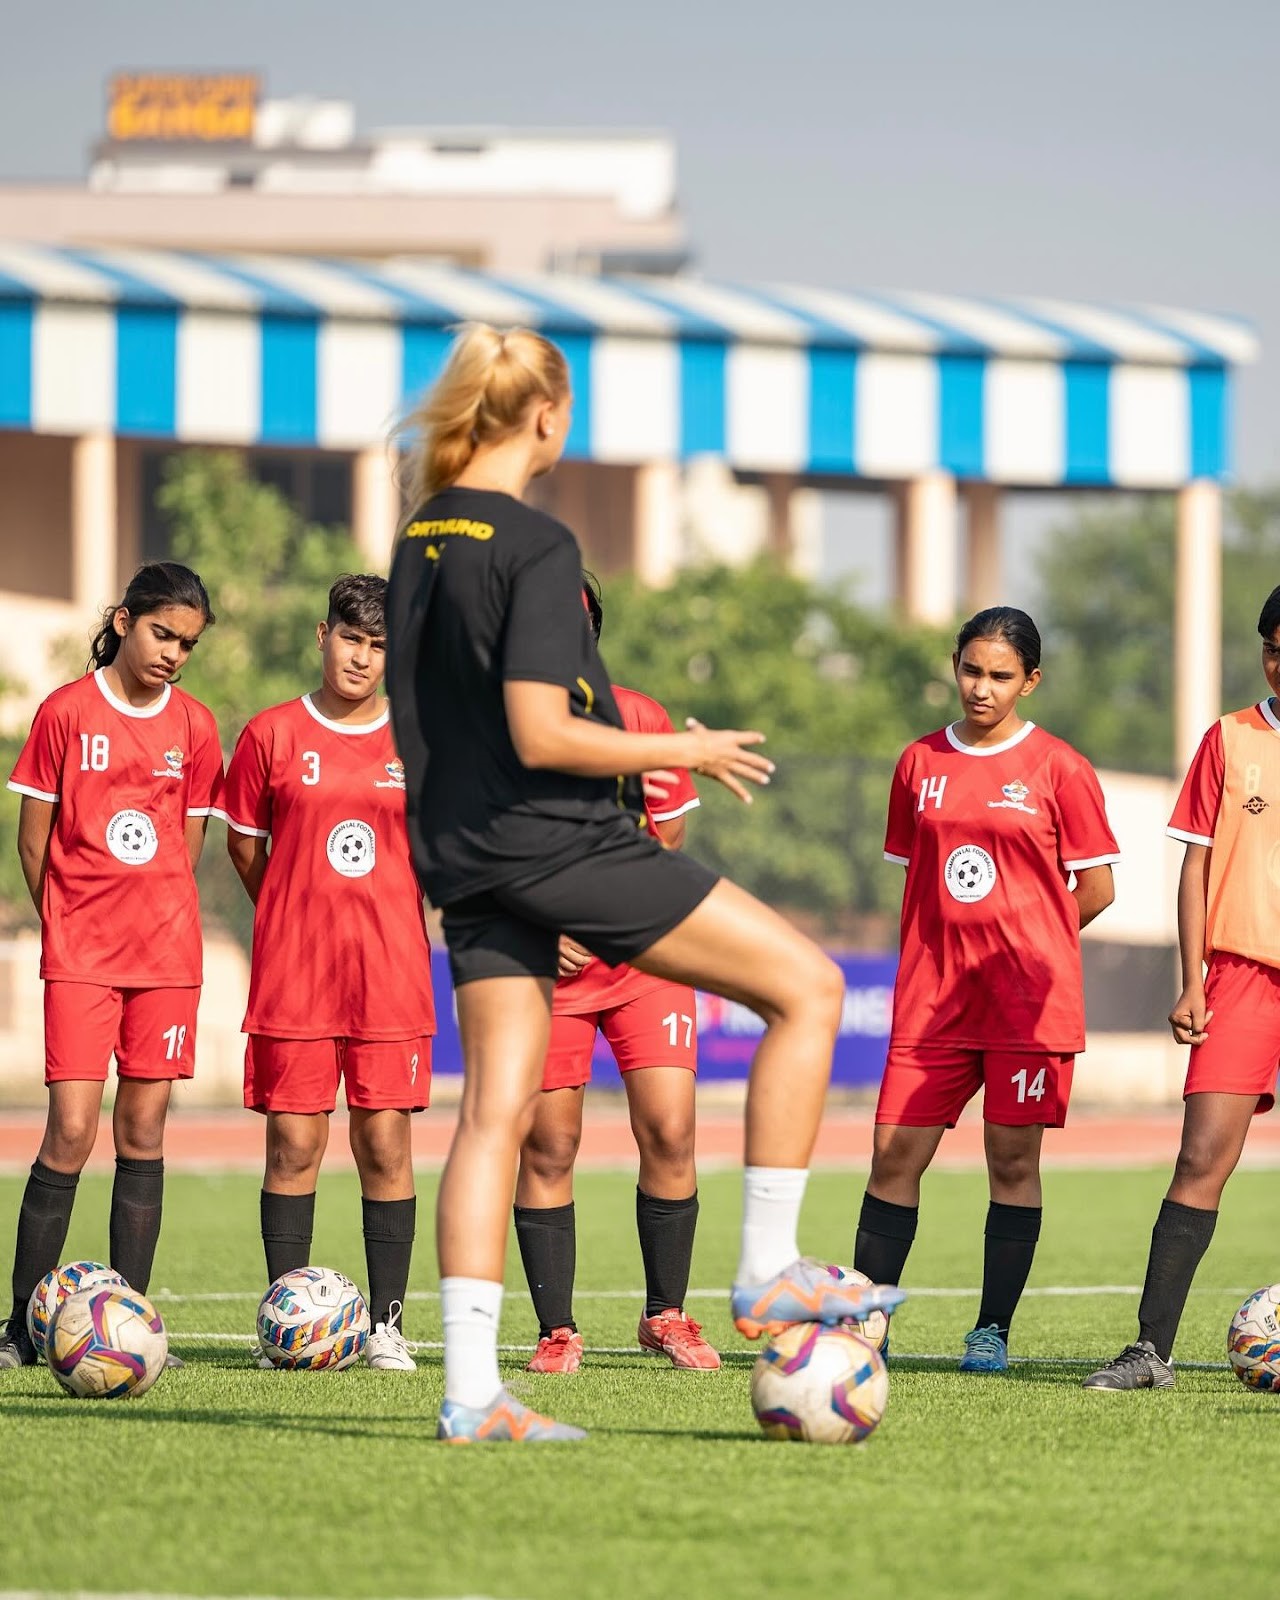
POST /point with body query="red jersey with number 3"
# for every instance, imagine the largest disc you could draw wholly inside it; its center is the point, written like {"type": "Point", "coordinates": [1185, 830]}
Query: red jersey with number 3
{"type": "Point", "coordinates": [339, 942]}
{"type": "Point", "coordinates": [120, 906]}
{"type": "Point", "coordinates": [990, 943]}
{"type": "Point", "coordinates": [597, 986]}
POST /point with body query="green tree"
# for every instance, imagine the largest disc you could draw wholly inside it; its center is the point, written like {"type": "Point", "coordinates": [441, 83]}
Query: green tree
{"type": "Point", "coordinates": [1107, 579]}
{"type": "Point", "coordinates": [838, 690]}
{"type": "Point", "coordinates": [268, 574]}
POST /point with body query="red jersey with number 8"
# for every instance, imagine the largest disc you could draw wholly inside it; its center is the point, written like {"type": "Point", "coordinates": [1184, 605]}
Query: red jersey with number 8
{"type": "Point", "coordinates": [339, 941]}
{"type": "Point", "coordinates": [120, 906]}
{"type": "Point", "coordinates": [990, 940]}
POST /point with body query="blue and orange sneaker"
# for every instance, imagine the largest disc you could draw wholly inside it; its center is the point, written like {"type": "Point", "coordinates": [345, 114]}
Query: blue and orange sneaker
{"type": "Point", "coordinates": [503, 1419]}
{"type": "Point", "coordinates": [807, 1291]}
{"type": "Point", "coordinates": [985, 1351]}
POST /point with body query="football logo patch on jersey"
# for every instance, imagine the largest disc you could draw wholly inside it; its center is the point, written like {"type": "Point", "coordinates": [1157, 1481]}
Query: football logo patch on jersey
{"type": "Point", "coordinates": [394, 778]}
{"type": "Point", "coordinates": [132, 838]}
{"type": "Point", "coordinates": [172, 764]}
{"type": "Point", "coordinates": [969, 874]}
{"type": "Point", "coordinates": [1015, 798]}
{"type": "Point", "coordinates": [350, 848]}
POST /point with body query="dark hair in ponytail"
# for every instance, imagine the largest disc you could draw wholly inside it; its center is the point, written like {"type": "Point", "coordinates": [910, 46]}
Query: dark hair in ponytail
{"type": "Point", "coordinates": [154, 586]}
{"type": "Point", "coordinates": [593, 603]}
{"type": "Point", "coordinates": [1014, 627]}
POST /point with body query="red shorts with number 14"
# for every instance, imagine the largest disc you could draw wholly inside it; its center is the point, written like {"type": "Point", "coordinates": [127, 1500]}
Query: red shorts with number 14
{"type": "Point", "coordinates": [928, 1086]}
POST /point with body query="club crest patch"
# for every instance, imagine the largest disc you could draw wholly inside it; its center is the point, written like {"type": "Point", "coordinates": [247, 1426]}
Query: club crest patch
{"type": "Point", "coordinates": [1015, 799]}
{"type": "Point", "coordinates": [172, 768]}
{"type": "Point", "coordinates": [394, 778]}
{"type": "Point", "coordinates": [969, 873]}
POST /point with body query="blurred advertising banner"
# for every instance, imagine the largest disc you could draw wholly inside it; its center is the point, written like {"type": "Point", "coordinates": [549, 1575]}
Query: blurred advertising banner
{"type": "Point", "coordinates": [727, 1033]}
{"type": "Point", "coordinates": [182, 107]}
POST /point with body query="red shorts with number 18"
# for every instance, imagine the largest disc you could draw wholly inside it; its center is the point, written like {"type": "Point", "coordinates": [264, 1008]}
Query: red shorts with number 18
{"type": "Point", "coordinates": [928, 1086]}
{"type": "Point", "coordinates": [659, 1028]}
{"type": "Point", "coordinates": [151, 1032]}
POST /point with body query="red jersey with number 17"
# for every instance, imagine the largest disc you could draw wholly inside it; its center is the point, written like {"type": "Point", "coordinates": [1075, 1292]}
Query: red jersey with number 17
{"type": "Point", "coordinates": [990, 944]}
{"type": "Point", "coordinates": [597, 986]}
{"type": "Point", "coordinates": [120, 906]}
{"type": "Point", "coordinates": [339, 942]}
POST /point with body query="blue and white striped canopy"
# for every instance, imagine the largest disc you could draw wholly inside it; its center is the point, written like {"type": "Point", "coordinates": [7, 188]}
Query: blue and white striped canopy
{"type": "Point", "coordinates": [293, 351]}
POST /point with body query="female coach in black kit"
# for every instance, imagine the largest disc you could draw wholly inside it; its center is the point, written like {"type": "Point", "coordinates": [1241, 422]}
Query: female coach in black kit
{"type": "Point", "coordinates": [523, 829]}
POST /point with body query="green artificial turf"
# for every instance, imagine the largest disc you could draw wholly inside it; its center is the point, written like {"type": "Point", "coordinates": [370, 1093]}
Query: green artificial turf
{"type": "Point", "coordinates": [229, 1481]}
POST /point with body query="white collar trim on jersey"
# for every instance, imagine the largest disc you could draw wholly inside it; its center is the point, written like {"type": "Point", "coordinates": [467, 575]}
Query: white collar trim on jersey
{"type": "Point", "coordinates": [990, 749]}
{"type": "Point", "coordinates": [1265, 707]}
{"type": "Point", "coordinates": [123, 706]}
{"type": "Point", "coordinates": [346, 727]}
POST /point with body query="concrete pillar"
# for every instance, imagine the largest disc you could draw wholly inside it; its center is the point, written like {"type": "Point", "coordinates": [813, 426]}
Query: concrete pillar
{"type": "Point", "coordinates": [927, 560]}
{"type": "Point", "coordinates": [983, 578]}
{"type": "Point", "coordinates": [94, 559]}
{"type": "Point", "coordinates": [375, 505]}
{"type": "Point", "coordinates": [658, 522]}
{"type": "Point", "coordinates": [1197, 616]}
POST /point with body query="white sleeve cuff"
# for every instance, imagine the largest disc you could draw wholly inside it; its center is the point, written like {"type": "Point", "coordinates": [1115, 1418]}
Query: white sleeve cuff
{"type": "Point", "coordinates": [1091, 861]}
{"type": "Point", "coordinates": [36, 794]}
{"type": "Point", "coordinates": [1189, 838]}
{"type": "Point", "coordinates": [670, 816]}
{"type": "Point", "coordinates": [898, 861]}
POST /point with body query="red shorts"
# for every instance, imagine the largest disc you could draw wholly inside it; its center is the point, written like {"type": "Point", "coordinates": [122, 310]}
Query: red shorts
{"type": "Point", "coordinates": [301, 1075]}
{"type": "Point", "coordinates": [657, 1029]}
{"type": "Point", "coordinates": [928, 1086]}
{"type": "Point", "coordinates": [151, 1032]}
{"type": "Point", "coordinates": [1242, 1052]}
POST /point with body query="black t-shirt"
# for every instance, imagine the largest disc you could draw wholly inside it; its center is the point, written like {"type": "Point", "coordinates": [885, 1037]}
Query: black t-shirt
{"type": "Point", "coordinates": [485, 589]}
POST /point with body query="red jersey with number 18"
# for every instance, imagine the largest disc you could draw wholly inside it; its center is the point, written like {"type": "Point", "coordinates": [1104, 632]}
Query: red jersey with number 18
{"type": "Point", "coordinates": [120, 906]}
{"type": "Point", "coordinates": [990, 943]}
{"type": "Point", "coordinates": [598, 986]}
{"type": "Point", "coordinates": [339, 942]}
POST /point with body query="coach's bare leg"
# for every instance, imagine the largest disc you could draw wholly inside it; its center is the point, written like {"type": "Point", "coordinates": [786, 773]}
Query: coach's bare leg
{"type": "Point", "coordinates": [900, 1158]}
{"type": "Point", "coordinates": [735, 946]}
{"type": "Point", "coordinates": [505, 1025]}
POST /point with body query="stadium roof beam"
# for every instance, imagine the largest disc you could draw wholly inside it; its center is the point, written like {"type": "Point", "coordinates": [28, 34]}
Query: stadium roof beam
{"type": "Point", "coordinates": [946, 400]}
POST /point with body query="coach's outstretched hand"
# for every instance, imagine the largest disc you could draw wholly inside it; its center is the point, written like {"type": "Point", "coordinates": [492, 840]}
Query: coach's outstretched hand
{"type": "Point", "coordinates": [726, 757]}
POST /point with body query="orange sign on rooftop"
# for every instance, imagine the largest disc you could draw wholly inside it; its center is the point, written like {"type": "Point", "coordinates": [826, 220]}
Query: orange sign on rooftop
{"type": "Point", "coordinates": [182, 107]}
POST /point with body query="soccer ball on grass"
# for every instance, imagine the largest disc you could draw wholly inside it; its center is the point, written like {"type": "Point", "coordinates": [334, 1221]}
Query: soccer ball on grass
{"type": "Point", "coordinates": [1253, 1340]}
{"type": "Point", "coordinates": [313, 1319]}
{"type": "Point", "coordinates": [54, 1288]}
{"type": "Point", "coordinates": [106, 1343]}
{"type": "Point", "coordinates": [819, 1385]}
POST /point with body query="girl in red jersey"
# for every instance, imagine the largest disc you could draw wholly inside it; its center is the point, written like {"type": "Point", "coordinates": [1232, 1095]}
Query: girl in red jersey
{"type": "Point", "coordinates": [524, 812]}
{"type": "Point", "coordinates": [992, 817]}
{"type": "Point", "coordinates": [118, 778]}
{"type": "Point", "coordinates": [651, 1026]}
{"type": "Point", "coordinates": [340, 980]}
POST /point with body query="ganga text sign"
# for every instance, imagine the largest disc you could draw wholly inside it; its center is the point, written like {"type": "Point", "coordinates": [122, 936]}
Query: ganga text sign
{"type": "Point", "coordinates": [182, 107]}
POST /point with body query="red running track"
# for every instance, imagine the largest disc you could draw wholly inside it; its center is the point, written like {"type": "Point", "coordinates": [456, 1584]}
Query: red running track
{"type": "Point", "coordinates": [233, 1140]}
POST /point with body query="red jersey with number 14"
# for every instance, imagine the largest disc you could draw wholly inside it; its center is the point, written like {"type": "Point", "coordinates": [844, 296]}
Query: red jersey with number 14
{"type": "Point", "coordinates": [120, 906]}
{"type": "Point", "coordinates": [339, 943]}
{"type": "Point", "coordinates": [990, 945]}
{"type": "Point", "coordinates": [597, 986]}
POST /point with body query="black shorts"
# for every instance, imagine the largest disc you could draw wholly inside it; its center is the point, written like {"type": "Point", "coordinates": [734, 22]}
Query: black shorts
{"type": "Point", "coordinates": [617, 901]}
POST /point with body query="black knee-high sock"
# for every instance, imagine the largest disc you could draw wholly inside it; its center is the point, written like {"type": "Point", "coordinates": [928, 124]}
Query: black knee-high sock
{"type": "Point", "coordinates": [666, 1229]}
{"type": "Point", "coordinates": [43, 1221]}
{"type": "Point", "coordinates": [549, 1249]}
{"type": "Point", "coordinates": [388, 1250]}
{"type": "Point", "coordinates": [1178, 1242]}
{"type": "Point", "coordinates": [137, 1200]}
{"type": "Point", "coordinates": [1012, 1232]}
{"type": "Point", "coordinates": [287, 1224]}
{"type": "Point", "coordinates": [886, 1233]}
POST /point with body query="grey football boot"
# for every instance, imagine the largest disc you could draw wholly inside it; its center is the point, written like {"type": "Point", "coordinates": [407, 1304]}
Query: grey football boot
{"type": "Point", "coordinates": [1136, 1367]}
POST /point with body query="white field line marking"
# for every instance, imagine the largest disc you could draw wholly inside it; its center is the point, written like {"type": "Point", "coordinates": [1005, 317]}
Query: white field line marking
{"type": "Point", "coordinates": [115, 1594]}
{"type": "Point", "coordinates": [1067, 1291]}
{"type": "Point", "coordinates": [733, 1357]}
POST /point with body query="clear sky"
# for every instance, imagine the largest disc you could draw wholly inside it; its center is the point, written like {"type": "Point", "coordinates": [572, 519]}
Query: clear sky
{"type": "Point", "coordinates": [1127, 150]}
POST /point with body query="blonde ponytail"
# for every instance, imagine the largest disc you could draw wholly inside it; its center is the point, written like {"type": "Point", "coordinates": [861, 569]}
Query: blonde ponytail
{"type": "Point", "coordinates": [481, 396]}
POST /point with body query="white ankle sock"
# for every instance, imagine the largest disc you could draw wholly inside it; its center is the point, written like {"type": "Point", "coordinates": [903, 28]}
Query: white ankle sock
{"type": "Point", "coordinates": [470, 1307]}
{"type": "Point", "coordinates": [771, 1199]}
